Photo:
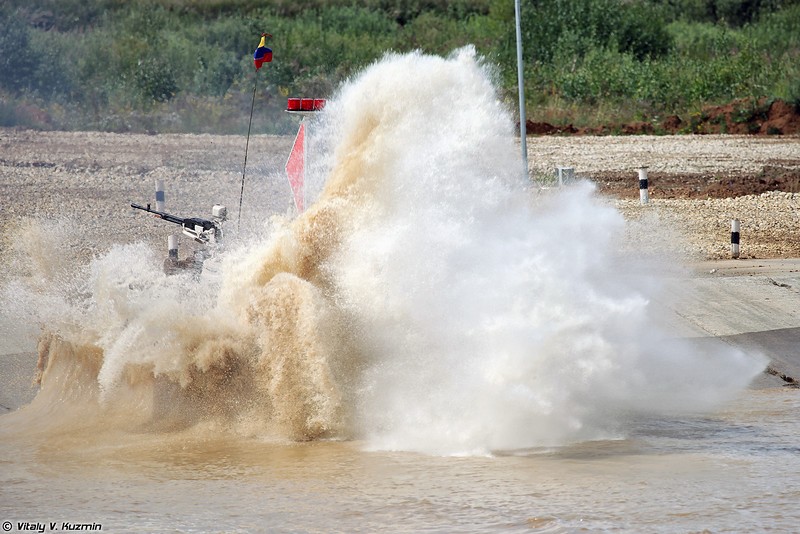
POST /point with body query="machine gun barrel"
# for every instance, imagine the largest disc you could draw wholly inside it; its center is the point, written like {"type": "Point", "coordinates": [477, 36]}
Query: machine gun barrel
{"type": "Point", "coordinates": [201, 230]}
{"type": "Point", "coordinates": [160, 214]}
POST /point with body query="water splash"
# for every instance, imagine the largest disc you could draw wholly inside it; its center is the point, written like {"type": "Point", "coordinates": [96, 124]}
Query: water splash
{"type": "Point", "coordinates": [428, 300]}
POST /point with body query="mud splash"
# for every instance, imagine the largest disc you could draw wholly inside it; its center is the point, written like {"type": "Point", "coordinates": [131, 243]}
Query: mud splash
{"type": "Point", "coordinates": [428, 300]}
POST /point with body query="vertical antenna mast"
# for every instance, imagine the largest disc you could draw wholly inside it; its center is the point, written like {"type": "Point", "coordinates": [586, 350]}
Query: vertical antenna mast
{"type": "Point", "coordinates": [246, 146]}
{"type": "Point", "coordinates": [263, 54]}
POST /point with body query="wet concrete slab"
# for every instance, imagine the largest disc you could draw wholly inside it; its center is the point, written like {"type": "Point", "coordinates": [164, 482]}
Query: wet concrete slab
{"type": "Point", "coordinates": [750, 304]}
{"type": "Point", "coordinates": [16, 385]}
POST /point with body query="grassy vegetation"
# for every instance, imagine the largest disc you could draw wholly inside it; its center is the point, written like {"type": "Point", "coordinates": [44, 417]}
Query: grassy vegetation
{"type": "Point", "coordinates": [186, 65]}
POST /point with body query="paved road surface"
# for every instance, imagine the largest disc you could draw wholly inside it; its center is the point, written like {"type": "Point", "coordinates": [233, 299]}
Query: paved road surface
{"type": "Point", "coordinates": [751, 304]}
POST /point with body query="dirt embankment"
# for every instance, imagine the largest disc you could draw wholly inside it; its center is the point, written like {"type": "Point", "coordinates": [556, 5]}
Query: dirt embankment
{"type": "Point", "coordinates": [775, 177]}
{"type": "Point", "coordinates": [743, 116]}
{"type": "Point", "coordinates": [762, 119]}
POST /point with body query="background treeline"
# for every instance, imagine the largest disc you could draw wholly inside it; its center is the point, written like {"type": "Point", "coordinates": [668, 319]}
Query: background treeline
{"type": "Point", "coordinates": [186, 65]}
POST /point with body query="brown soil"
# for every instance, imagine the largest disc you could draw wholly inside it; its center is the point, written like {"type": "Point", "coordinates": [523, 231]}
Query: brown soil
{"type": "Point", "coordinates": [744, 116]}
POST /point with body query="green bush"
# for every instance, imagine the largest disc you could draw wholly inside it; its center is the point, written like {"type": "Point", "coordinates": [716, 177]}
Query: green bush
{"type": "Point", "coordinates": [19, 61]}
{"type": "Point", "coordinates": [635, 28]}
{"type": "Point", "coordinates": [777, 32]}
{"type": "Point", "coordinates": [155, 79]}
{"type": "Point", "coordinates": [734, 13]}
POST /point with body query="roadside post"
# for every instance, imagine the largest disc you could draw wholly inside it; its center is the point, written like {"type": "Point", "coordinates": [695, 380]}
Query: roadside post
{"type": "Point", "coordinates": [160, 197]}
{"type": "Point", "coordinates": [644, 197]}
{"type": "Point", "coordinates": [565, 175]}
{"type": "Point", "coordinates": [172, 240]}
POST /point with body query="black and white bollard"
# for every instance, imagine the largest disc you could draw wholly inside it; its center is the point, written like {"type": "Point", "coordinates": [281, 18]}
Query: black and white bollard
{"type": "Point", "coordinates": [644, 197]}
{"type": "Point", "coordinates": [159, 195]}
{"type": "Point", "coordinates": [172, 244]}
{"type": "Point", "coordinates": [734, 238]}
{"type": "Point", "coordinates": [565, 175]}
{"type": "Point", "coordinates": [173, 239]}
{"type": "Point", "coordinates": [172, 265]}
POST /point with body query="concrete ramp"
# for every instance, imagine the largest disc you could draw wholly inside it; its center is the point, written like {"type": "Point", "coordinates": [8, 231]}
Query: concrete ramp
{"type": "Point", "coordinates": [16, 386]}
{"type": "Point", "coordinates": [751, 304]}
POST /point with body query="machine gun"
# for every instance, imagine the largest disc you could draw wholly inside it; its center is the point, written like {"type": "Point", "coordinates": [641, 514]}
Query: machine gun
{"type": "Point", "coordinates": [201, 230]}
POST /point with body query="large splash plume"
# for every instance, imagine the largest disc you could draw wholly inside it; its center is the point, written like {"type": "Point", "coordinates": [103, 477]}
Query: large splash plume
{"type": "Point", "coordinates": [430, 299]}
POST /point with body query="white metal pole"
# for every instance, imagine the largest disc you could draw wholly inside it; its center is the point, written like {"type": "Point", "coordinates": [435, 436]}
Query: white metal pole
{"type": "Point", "coordinates": [522, 126]}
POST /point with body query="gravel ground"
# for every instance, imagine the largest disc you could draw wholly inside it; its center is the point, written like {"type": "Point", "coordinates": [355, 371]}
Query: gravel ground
{"type": "Point", "coordinates": [79, 185]}
{"type": "Point", "coordinates": [82, 183]}
{"type": "Point", "coordinates": [680, 155]}
{"type": "Point", "coordinates": [701, 228]}
{"type": "Point", "coordinates": [698, 184]}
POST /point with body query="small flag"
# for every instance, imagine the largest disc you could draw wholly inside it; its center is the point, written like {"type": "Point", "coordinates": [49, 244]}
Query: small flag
{"type": "Point", "coordinates": [262, 54]}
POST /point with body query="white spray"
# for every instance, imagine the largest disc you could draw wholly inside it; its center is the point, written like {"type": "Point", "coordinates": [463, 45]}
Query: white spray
{"type": "Point", "coordinates": [491, 320]}
{"type": "Point", "coordinates": [429, 300]}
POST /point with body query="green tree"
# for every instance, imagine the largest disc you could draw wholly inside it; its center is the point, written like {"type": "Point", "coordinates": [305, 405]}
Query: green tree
{"type": "Point", "coordinates": [19, 61]}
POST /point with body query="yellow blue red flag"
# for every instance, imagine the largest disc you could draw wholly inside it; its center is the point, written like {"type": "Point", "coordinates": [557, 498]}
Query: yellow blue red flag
{"type": "Point", "coordinates": [262, 54]}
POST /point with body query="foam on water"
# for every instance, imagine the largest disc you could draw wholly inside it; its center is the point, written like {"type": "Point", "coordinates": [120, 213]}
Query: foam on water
{"type": "Point", "coordinates": [428, 300]}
